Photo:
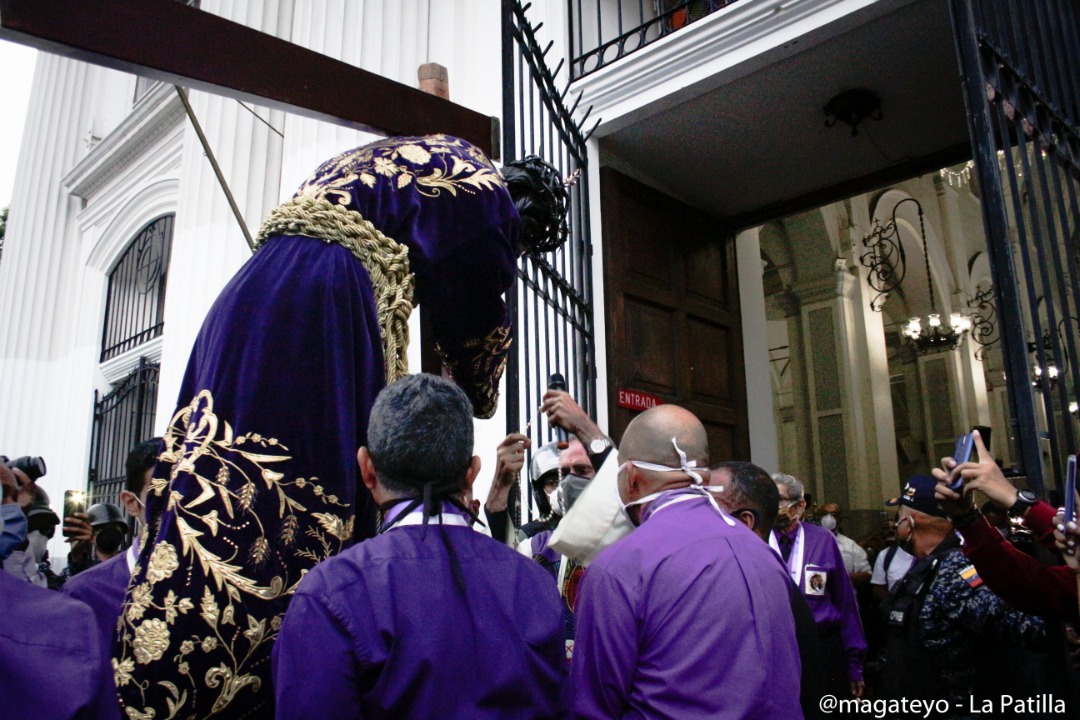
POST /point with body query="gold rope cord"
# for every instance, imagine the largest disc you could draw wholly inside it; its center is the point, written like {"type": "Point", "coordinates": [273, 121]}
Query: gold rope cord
{"type": "Point", "coordinates": [386, 261]}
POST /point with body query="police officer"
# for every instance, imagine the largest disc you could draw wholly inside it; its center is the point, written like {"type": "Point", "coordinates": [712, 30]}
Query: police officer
{"type": "Point", "coordinates": [942, 621]}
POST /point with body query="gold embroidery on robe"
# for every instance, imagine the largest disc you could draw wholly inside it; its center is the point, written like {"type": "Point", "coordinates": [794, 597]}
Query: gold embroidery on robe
{"type": "Point", "coordinates": [232, 470]}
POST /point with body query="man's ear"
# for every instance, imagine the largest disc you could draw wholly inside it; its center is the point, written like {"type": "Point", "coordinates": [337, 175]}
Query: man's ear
{"type": "Point", "coordinates": [472, 472]}
{"type": "Point", "coordinates": [748, 519]}
{"type": "Point", "coordinates": [367, 469]}
{"type": "Point", "coordinates": [131, 503]}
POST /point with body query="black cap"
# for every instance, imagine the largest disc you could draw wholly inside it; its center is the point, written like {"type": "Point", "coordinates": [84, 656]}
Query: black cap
{"type": "Point", "coordinates": [918, 494]}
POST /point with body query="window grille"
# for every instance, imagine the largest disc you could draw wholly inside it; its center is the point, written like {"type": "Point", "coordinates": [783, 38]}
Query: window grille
{"type": "Point", "coordinates": [135, 305]}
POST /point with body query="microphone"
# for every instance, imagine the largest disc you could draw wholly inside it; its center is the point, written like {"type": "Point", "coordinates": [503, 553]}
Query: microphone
{"type": "Point", "coordinates": [556, 381]}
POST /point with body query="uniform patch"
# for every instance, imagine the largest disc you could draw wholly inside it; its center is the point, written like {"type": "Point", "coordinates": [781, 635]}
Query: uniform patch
{"type": "Point", "coordinates": [971, 576]}
{"type": "Point", "coordinates": [815, 581]}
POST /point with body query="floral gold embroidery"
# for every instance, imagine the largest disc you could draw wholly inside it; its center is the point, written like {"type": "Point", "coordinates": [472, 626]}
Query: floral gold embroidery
{"type": "Point", "coordinates": [151, 641]}
{"type": "Point", "coordinates": [403, 165]}
{"type": "Point", "coordinates": [484, 360]}
{"type": "Point", "coordinates": [122, 671]}
{"type": "Point", "coordinates": [220, 487]}
{"type": "Point", "coordinates": [163, 563]}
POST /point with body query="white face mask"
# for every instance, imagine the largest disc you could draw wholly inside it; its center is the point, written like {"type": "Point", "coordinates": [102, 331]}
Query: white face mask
{"type": "Point", "coordinates": [555, 500]}
{"type": "Point", "coordinates": [828, 522]}
{"type": "Point", "coordinates": [38, 545]}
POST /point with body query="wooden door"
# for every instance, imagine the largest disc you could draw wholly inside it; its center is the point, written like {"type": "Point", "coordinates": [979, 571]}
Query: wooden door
{"type": "Point", "coordinates": [672, 309]}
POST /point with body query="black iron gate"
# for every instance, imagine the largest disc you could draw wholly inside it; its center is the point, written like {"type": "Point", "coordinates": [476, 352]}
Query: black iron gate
{"type": "Point", "coordinates": [1021, 70]}
{"type": "Point", "coordinates": [122, 418]}
{"type": "Point", "coordinates": [552, 299]}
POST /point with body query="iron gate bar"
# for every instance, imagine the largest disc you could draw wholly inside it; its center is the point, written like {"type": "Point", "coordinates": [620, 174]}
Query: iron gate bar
{"type": "Point", "coordinates": [122, 418]}
{"type": "Point", "coordinates": [999, 254]}
{"type": "Point", "coordinates": [1064, 295]}
{"type": "Point", "coordinates": [551, 298]}
{"type": "Point", "coordinates": [181, 45]}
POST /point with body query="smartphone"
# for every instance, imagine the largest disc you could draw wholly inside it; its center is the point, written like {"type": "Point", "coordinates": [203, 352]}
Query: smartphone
{"type": "Point", "coordinates": [984, 433]}
{"type": "Point", "coordinates": [1070, 492]}
{"type": "Point", "coordinates": [74, 502]}
{"type": "Point", "coordinates": [961, 455]}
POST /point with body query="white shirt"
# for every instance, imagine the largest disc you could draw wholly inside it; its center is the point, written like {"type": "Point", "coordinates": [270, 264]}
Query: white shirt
{"type": "Point", "coordinates": [855, 559]}
{"type": "Point", "coordinates": [898, 568]}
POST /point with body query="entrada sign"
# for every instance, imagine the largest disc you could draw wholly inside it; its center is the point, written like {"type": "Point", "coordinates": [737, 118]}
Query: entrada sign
{"type": "Point", "coordinates": [638, 400]}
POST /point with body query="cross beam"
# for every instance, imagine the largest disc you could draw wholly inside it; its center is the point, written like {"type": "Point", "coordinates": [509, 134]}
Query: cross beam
{"type": "Point", "coordinates": [179, 44]}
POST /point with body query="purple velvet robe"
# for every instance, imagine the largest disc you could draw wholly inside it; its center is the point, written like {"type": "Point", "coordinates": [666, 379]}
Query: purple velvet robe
{"type": "Point", "coordinates": [382, 631]}
{"type": "Point", "coordinates": [835, 608]}
{"type": "Point", "coordinates": [687, 617]}
{"type": "Point", "coordinates": [50, 667]}
{"type": "Point", "coordinates": [102, 588]}
{"type": "Point", "coordinates": [258, 479]}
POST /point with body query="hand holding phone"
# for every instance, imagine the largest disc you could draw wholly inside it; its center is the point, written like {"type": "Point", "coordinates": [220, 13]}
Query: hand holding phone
{"type": "Point", "coordinates": [961, 454]}
{"type": "Point", "coordinates": [74, 504]}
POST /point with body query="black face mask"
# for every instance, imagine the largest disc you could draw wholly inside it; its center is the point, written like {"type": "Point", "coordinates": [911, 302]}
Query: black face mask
{"type": "Point", "coordinates": [109, 539]}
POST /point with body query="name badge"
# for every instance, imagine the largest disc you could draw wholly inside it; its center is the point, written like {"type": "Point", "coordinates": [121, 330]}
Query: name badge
{"type": "Point", "coordinates": [814, 580]}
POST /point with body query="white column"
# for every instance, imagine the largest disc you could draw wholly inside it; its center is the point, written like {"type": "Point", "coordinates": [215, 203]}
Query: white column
{"type": "Point", "coordinates": [44, 402]}
{"type": "Point", "coordinates": [883, 476]}
{"type": "Point", "coordinates": [761, 421]}
{"type": "Point", "coordinates": [208, 244]}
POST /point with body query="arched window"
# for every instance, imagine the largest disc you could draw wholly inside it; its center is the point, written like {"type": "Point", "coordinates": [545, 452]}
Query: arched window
{"type": "Point", "coordinates": [135, 306]}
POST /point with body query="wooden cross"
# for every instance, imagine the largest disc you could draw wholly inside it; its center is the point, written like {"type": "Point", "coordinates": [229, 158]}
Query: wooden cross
{"type": "Point", "coordinates": [179, 44]}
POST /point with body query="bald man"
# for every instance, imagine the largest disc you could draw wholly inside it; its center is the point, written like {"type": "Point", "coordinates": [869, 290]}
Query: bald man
{"type": "Point", "coordinates": [688, 615]}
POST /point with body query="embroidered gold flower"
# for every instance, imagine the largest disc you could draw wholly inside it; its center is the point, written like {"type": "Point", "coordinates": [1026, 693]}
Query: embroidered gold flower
{"type": "Point", "coordinates": [122, 671]}
{"type": "Point", "coordinates": [151, 641]}
{"type": "Point", "coordinates": [163, 563]}
{"type": "Point", "coordinates": [209, 643]}
{"type": "Point", "coordinates": [140, 600]}
{"type": "Point", "coordinates": [183, 668]}
{"type": "Point", "coordinates": [186, 647]}
{"type": "Point", "coordinates": [209, 607]}
{"type": "Point", "coordinates": [385, 166]}
{"type": "Point", "coordinates": [414, 154]}
{"type": "Point", "coordinates": [134, 714]}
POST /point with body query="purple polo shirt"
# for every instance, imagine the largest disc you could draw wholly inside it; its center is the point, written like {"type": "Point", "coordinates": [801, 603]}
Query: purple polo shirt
{"type": "Point", "coordinates": [50, 666]}
{"type": "Point", "coordinates": [834, 604]}
{"type": "Point", "coordinates": [103, 587]}
{"type": "Point", "coordinates": [382, 631]}
{"type": "Point", "coordinates": [687, 617]}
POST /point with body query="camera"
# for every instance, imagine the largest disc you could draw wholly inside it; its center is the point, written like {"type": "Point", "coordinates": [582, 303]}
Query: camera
{"type": "Point", "coordinates": [34, 467]}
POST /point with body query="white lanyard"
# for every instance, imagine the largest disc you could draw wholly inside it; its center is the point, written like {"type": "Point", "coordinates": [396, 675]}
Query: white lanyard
{"type": "Point", "coordinates": [416, 517]}
{"type": "Point", "coordinates": [795, 560]}
{"type": "Point", "coordinates": [700, 492]}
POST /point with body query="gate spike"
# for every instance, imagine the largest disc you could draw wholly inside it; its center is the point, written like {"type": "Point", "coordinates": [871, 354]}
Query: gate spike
{"type": "Point", "coordinates": [572, 109]}
{"type": "Point", "coordinates": [589, 135]}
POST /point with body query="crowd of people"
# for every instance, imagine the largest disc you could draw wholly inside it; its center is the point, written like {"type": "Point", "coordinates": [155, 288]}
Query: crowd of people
{"type": "Point", "coordinates": [307, 544]}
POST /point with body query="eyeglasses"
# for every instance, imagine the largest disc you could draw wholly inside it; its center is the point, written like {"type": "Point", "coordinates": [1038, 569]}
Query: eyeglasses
{"type": "Point", "coordinates": [789, 503]}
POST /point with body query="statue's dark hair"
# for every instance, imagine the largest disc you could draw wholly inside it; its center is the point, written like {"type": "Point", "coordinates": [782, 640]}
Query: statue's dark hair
{"type": "Point", "coordinates": [541, 199]}
{"type": "Point", "coordinates": [141, 458]}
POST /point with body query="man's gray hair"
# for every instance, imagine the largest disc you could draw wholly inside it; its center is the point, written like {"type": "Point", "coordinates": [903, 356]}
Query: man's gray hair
{"type": "Point", "coordinates": [794, 487]}
{"type": "Point", "coordinates": [421, 431]}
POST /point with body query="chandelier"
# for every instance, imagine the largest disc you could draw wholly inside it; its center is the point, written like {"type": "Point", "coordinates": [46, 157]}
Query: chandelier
{"type": "Point", "coordinates": [932, 334]}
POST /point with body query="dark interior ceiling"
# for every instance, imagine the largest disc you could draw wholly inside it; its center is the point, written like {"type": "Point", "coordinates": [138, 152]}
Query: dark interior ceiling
{"type": "Point", "coordinates": [757, 146]}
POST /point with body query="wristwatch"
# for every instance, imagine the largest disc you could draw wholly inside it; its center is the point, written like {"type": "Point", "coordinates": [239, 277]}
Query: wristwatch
{"type": "Point", "coordinates": [599, 445]}
{"type": "Point", "coordinates": [1024, 500]}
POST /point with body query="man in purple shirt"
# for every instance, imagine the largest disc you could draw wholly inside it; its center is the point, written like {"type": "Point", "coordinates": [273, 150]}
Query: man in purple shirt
{"type": "Point", "coordinates": [817, 566]}
{"type": "Point", "coordinates": [103, 586]}
{"type": "Point", "coordinates": [688, 616]}
{"type": "Point", "coordinates": [429, 618]}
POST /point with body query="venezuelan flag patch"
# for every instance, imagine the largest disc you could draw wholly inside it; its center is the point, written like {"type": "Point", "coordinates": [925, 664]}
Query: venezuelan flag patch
{"type": "Point", "coordinates": [971, 576]}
